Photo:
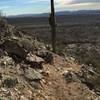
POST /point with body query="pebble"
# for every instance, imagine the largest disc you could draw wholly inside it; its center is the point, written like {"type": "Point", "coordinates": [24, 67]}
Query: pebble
{"type": "Point", "coordinates": [23, 98]}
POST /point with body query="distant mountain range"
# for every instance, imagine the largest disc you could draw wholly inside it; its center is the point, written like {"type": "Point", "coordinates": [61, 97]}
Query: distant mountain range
{"type": "Point", "coordinates": [79, 12]}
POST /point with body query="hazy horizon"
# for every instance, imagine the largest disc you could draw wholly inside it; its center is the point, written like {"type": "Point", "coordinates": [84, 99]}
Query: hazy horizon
{"type": "Point", "coordinates": [17, 7]}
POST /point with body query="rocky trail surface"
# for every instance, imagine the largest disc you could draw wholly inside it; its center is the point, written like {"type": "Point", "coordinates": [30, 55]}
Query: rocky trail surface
{"type": "Point", "coordinates": [28, 71]}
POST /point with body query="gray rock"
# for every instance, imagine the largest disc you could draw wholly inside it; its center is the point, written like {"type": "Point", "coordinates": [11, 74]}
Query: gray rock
{"type": "Point", "coordinates": [33, 58]}
{"type": "Point", "coordinates": [12, 47]}
{"type": "Point", "coordinates": [23, 98]}
{"type": "Point", "coordinates": [35, 61]}
{"type": "Point", "coordinates": [10, 82]}
{"type": "Point", "coordinates": [71, 76]}
{"type": "Point", "coordinates": [46, 55]}
{"type": "Point", "coordinates": [32, 74]}
{"type": "Point", "coordinates": [11, 98]}
{"type": "Point", "coordinates": [36, 85]}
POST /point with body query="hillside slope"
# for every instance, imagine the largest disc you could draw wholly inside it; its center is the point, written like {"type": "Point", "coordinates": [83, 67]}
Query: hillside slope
{"type": "Point", "coordinates": [28, 71]}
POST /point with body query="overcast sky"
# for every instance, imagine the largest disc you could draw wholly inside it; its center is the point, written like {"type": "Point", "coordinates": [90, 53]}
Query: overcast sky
{"type": "Point", "coordinates": [15, 7]}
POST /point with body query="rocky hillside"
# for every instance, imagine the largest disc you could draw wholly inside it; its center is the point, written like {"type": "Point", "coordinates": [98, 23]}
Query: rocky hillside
{"type": "Point", "coordinates": [28, 71]}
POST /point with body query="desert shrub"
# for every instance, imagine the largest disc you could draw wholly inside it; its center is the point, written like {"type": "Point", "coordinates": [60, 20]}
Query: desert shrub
{"type": "Point", "coordinates": [96, 82]}
{"type": "Point", "coordinates": [88, 56]}
{"type": "Point", "coordinates": [3, 21]}
{"type": "Point", "coordinates": [96, 63]}
{"type": "Point", "coordinates": [94, 60]}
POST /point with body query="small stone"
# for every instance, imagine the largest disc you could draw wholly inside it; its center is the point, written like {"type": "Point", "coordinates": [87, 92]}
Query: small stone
{"type": "Point", "coordinates": [47, 73]}
{"type": "Point", "coordinates": [36, 85]}
{"type": "Point", "coordinates": [0, 76]}
{"type": "Point", "coordinates": [11, 98]}
{"type": "Point", "coordinates": [28, 94]}
{"type": "Point", "coordinates": [43, 81]}
{"type": "Point", "coordinates": [71, 76]}
{"type": "Point", "coordinates": [4, 90]}
{"type": "Point", "coordinates": [23, 98]}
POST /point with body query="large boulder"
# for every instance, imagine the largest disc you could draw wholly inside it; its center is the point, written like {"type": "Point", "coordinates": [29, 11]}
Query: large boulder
{"type": "Point", "coordinates": [13, 48]}
{"type": "Point", "coordinates": [17, 46]}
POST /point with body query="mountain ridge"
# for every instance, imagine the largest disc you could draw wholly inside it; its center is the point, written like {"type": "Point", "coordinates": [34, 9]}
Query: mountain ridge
{"type": "Point", "coordinates": [78, 12]}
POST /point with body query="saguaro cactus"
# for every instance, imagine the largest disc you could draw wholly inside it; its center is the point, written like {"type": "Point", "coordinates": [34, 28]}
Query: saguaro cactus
{"type": "Point", "coordinates": [52, 23]}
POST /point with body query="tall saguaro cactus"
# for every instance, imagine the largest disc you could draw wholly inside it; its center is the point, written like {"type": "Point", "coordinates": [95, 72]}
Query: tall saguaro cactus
{"type": "Point", "coordinates": [53, 26]}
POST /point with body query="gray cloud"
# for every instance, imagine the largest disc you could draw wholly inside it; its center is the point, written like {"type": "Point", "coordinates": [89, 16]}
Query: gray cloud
{"type": "Point", "coordinates": [85, 1]}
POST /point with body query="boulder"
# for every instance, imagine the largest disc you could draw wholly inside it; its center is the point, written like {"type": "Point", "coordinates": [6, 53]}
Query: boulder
{"type": "Point", "coordinates": [34, 60]}
{"type": "Point", "coordinates": [32, 74]}
{"type": "Point", "coordinates": [18, 46]}
{"type": "Point", "coordinates": [46, 55]}
{"type": "Point", "coordinates": [12, 47]}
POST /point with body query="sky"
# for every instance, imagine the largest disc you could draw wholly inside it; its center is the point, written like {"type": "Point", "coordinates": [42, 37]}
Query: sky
{"type": "Point", "coordinates": [15, 7]}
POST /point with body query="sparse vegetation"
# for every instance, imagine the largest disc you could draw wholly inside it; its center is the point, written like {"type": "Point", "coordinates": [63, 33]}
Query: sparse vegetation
{"type": "Point", "coordinates": [33, 72]}
{"type": "Point", "coordinates": [3, 22]}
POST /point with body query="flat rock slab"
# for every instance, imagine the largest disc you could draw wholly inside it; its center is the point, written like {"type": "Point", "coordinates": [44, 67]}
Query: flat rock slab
{"type": "Point", "coordinates": [33, 58]}
{"type": "Point", "coordinates": [32, 74]}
